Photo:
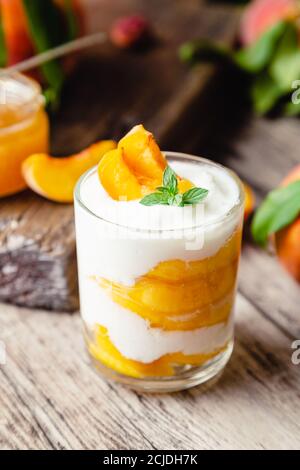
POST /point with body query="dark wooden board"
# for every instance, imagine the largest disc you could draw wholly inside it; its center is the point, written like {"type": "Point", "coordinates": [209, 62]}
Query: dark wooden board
{"type": "Point", "coordinates": [109, 92]}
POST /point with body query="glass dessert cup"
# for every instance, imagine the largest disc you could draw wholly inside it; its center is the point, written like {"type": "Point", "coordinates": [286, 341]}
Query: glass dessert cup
{"type": "Point", "coordinates": [24, 128]}
{"type": "Point", "coordinates": [170, 326]}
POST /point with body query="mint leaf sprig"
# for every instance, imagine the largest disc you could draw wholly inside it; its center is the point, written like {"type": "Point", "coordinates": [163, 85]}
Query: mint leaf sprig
{"type": "Point", "coordinates": [168, 193]}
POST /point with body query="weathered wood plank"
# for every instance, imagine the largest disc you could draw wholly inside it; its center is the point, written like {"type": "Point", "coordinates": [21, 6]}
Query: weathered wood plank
{"type": "Point", "coordinates": [109, 92]}
{"type": "Point", "coordinates": [51, 398]}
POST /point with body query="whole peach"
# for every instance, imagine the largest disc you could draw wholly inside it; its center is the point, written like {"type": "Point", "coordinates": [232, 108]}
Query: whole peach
{"type": "Point", "coordinates": [287, 240]}
{"type": "Point", "coordinates": [261, 15]}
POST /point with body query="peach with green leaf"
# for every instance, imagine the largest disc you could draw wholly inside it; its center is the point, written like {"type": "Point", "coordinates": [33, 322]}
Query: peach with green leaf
{"type": "Point", "coordinates": [260, 15]}
{"type": "Point", "coordinates": [278, 219]}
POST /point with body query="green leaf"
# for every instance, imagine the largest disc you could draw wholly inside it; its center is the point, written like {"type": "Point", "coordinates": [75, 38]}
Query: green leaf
{"type": "Point", "coordinates": [47, 30]}
{"type": "Point", "coordinates": [194, 195]}
{"type": "Point", "coordinates": [178, 200]}
{"type": "Point", "coordinates": [264, 93]}
{"type": "Point", "coordinates": [154, 199]}
{"type": "Point", "coordinates": [170, 180]}
{"type": "Point", "coordinates": [72, 21]}
{"type": "Point", "coordinates": [292, 109]}
{"type": "Point", "coordinates": [168, 193]}
{"type": "Point", "coordinates": [201, 50]}
{"type": "Point", "coordinates": [162, 189]}
{"type": "Point", "coordinates": [279, 209]}
{"type": "Point", "coordinates": [257, 56]}
{"type": "Point", "coordinates": [285, 65]}
{"type": "Point", "coordinates": [3, 48]}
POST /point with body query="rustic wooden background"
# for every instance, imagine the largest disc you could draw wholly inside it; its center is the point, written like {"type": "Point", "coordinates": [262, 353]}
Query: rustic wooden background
{"type": "Point", "coordinates": [50, 398]}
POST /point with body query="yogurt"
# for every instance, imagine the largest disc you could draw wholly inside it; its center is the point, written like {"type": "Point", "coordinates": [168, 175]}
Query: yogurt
{"type": "Point", "coordinates": [122, 241]}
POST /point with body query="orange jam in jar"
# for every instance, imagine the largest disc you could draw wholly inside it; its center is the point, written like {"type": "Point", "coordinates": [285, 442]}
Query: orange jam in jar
{"type": "Point", "coordinates": [24, 128]}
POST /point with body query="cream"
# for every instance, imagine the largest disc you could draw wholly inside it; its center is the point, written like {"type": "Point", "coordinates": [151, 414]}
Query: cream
{"type": "Point", "coordinates": [135, 339]}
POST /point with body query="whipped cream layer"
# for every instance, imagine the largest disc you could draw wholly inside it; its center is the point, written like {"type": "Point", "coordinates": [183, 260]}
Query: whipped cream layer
{"type": "Point", "coordinates": [135, 339]}
{"type": "Point", "coordinates": [223, 195]}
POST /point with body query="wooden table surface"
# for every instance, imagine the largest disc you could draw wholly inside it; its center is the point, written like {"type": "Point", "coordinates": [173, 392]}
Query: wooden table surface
{"type": "Point", "coordinates": [50, 397]}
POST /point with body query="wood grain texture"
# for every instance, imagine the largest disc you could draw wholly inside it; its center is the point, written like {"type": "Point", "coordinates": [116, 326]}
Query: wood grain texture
{"type": "Point", "coordinates": [50, 398]}
{"type": "Point", "coordinates": [109, 92]}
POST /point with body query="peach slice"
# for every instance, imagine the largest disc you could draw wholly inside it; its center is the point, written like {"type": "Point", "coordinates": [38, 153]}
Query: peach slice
{"type": "Point", "coordinates": [116, 177]}
{"type": "Point", "coordinates": [149, 297]}
{"type": "Point", "coordinates": [179, 270]}
{"type": "Point", "coordinates": [142, 154]}
{"type": "Point", "coordinates": [209, 315]}
{"type": "Point", "coordinates": [55, 178]}
{"type": "Point", "coordinates": [135, 168]}
{"type": "Point", "coordinates": [104, 351]}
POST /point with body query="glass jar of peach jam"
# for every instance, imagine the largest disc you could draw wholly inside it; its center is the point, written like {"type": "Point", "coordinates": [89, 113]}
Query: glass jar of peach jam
{"type": "Point", "coordinates": [24, 128]}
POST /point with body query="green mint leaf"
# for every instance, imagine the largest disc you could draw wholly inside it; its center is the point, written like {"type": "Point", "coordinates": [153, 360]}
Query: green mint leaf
{"type": "Point", "coordinates": [285, 65]}
{"type": "Point", "coordinates": [279, 209]}
{"type": "Point", "coordinates": [162, 189]}
{"type": "Point", "coordinates": [194, 195]}
{"type": "Point", "coordinates": [171, 200]}
{"type": "Point", "coordinates": [168, 193]}
{"type": "Point", "coordinates": [257, 56]}
{"type": "Point", "coordinates": [178, 200]}
{"type": "Point", "coordinates": [170, 180]}
{"type": "Point", "coordinates": [154, 199]}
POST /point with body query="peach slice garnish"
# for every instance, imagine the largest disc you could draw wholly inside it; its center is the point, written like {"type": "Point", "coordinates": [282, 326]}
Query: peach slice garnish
{"type": "Point", "coordinates": [136, 168]}
{"type": "Point", "coordinates": [55, 178]}
{"type": "Point", "coordinates": [116, 177]}
{"type": "Point", "coordinates": [142, 154]}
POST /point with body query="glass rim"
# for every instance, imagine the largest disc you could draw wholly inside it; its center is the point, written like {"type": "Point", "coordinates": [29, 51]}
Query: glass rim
{"type": "Point", "coordinates": [167, 154]}
{"type": "Point", "coordinates": [33, 103]}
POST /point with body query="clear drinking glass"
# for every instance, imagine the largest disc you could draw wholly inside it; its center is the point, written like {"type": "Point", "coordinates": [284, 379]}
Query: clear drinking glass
{"type": "Point", "coordinates": [172, 328]}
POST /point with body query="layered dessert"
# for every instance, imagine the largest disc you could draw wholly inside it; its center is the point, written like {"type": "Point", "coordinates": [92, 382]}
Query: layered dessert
{"type": "Point", "coordinates": [158, 243]}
